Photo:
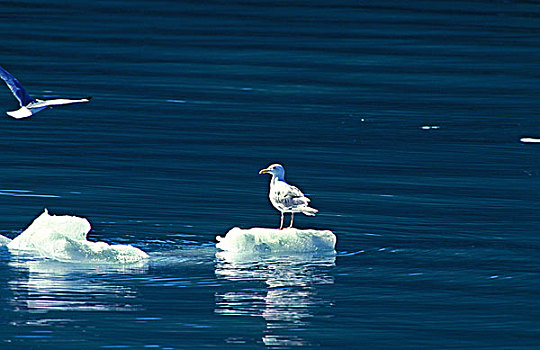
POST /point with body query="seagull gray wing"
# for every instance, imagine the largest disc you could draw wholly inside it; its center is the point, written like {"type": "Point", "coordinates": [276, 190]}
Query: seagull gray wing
{"type": "Point", "coordinates": [290, 196]}
{"type": "Point", "coordinates": [16, 88]}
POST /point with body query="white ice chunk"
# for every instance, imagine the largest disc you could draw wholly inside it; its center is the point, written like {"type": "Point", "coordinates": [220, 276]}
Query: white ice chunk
{"type": "Point", "coordinates": [529, 140]}
{"type": "Point", "coordinates": [4, 241]}
{"type": "Point", "coordinates": [64, 238]}
{"type": "Point", "coordinates": [258, 239]}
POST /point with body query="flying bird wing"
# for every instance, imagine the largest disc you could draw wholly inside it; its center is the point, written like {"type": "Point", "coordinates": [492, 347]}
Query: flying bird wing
{"type": "Point", "coordinates": [16, 88]}
{"type": "Point", "coordinates": [58, 102]}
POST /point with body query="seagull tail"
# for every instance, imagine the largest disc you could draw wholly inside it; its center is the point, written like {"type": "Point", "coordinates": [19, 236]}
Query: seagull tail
{"type": "Point", "coordinates": [309, 211]}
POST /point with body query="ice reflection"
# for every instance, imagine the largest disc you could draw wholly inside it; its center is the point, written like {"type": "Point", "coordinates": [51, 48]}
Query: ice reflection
{"type": "Point", "coordinates": [287, 299]}
{"type": "Point", "coordinates": [44, 285]}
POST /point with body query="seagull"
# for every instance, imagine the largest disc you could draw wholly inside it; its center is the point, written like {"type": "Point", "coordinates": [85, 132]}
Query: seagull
{"type": "Point", "coordinates": [30, 106]}
{"type": "Point", "coordinates": [284, 197]}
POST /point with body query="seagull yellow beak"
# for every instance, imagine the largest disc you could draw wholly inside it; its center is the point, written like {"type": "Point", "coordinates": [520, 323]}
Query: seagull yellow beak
{"type": "Point", "coordinates": [263, 171]}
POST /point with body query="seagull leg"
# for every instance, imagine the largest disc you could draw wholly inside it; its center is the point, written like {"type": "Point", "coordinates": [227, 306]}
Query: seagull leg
{"type": "Point", "coordinates": [292, 220]}
{"type": "Point", "coordinates": [281, 224]}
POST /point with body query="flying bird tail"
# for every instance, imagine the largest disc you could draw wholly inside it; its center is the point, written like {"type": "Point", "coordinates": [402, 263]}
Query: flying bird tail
{"type": "Point", "coordinates": [21, 113]}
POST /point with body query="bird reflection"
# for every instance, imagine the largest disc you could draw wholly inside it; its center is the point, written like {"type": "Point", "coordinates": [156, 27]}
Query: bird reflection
{"type": "Point", "coordinates": [288, 297]}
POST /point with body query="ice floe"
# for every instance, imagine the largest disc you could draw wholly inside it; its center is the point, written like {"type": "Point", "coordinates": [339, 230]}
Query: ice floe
{"type": "Point", "coordinates": [258, 239]}
{"type": "Point", "coordinates": [64, 238]}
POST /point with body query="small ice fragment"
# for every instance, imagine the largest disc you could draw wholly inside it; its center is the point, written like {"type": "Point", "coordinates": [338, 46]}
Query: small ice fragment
{"type": "Point", "coordinates": [176, 101]}
{"type": "Point", "coordinates": [529, 140]}
{"type": "Point", "coordinates": [4, 241]}
{"type": "Point", "coordinates": [430, 127]}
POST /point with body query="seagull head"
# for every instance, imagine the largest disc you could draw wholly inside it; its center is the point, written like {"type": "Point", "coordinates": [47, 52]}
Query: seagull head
{"type": "Point", "coordinates": [274, 169]}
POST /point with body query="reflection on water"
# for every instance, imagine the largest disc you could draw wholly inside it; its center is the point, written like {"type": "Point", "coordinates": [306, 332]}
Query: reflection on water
{"type": "Point", "coordinates": [287, 300]}
{"type": "Point", "coordinates": [53, 285]}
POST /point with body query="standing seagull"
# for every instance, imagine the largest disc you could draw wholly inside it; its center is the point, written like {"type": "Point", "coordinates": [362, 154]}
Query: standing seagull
{"type": "Point", "coordinates": [30, 106]}
{"type": "Point", "coordinates": [284, 197]}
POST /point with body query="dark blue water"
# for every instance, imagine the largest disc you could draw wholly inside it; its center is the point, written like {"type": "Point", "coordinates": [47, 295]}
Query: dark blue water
{"type": "Point", "coordinates": [438, 243]}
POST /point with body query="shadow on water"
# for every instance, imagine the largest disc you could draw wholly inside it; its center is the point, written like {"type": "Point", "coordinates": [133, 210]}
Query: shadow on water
{"type": "Point", "coordinates": [287, 299]}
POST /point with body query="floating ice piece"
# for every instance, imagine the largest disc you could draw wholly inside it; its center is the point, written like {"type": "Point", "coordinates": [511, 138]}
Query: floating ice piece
{"type": "Point", "coordinates": [430, 127]}
{"type": "Point", "coordinates": [529, 140]}
{"type": "Point", "coordinates": [4, 241]}
{"type": "Point", "coordinates": [64, 238]}
{"type": "Point", "coordinates": [258, 239]}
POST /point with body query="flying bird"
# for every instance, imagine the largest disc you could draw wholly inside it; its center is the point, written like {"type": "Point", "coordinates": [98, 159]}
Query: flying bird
{"type": "Point", "coordinates": [29, 105]}
{"type": "Point", "coordinates": [284, 197]}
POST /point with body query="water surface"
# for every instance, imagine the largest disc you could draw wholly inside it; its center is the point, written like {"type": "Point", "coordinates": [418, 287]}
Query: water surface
{"type": "Point", "coordinates": [401, 121]}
